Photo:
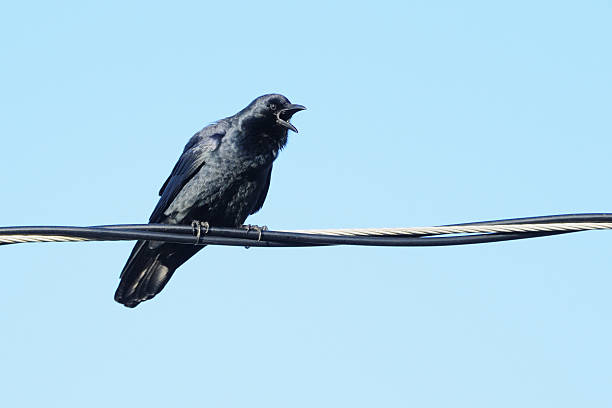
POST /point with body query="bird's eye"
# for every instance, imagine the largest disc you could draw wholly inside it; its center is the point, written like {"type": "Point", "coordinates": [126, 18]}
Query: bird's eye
{"type": "Point", "coordinates": [272, 106]}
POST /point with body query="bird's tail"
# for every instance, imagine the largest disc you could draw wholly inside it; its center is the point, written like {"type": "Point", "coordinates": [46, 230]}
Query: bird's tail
{"type": "Point", "coordinates": [148, 269]}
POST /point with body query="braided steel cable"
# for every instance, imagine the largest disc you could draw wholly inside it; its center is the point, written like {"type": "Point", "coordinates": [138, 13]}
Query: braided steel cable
{"type": "Point", "coordinates": [460, 229]}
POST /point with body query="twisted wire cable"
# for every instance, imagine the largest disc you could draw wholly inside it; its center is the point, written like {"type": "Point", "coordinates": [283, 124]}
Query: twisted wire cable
{"type": "Point", "coordinates": [459, 229]}
{"type": "Point", "coordinates": [458, 234]}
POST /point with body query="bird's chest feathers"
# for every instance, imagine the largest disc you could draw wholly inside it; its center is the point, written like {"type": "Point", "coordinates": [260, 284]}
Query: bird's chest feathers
{"type": "Point", "coordinates": [242, 154]}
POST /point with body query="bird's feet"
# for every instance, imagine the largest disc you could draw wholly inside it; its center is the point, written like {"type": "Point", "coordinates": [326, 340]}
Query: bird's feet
{"type": "Point", "coordinates": [197, 229]}
{"type": "Point", "coordinates": [257, 228]}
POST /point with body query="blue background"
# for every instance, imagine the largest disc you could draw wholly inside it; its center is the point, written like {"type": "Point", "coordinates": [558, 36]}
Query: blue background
{"type": "Point", "coordinates": [419, 113]}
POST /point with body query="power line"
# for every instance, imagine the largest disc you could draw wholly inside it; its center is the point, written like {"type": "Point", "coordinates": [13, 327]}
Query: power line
{"type": "Point", "coordinates": [460, 234]}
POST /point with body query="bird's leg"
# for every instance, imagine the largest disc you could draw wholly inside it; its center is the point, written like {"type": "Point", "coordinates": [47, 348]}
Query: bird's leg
{"type": "Point", "coordinates": [197, 229]}
{"type": "Point", "coordinates": [263, 228]}
{"type": "Point", "coordinates": [257, 228]}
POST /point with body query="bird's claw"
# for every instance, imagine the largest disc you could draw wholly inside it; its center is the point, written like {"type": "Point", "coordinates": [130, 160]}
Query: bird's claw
{"type": "Point", "coordinates": [257, 228]}
{"type": "Point", "coordinates": [197, 229]}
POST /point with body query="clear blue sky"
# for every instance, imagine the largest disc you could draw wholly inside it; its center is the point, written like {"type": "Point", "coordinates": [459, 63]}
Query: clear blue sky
{"type": "Point", "coordinates": [419, 113]}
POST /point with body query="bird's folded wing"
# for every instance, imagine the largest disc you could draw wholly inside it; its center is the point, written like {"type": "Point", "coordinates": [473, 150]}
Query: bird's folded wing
{"type": "Point", "coordinates": [193, 158]}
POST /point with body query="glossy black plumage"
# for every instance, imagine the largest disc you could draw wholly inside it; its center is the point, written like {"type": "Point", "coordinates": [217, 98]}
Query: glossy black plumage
{"type": "Point", "coordinates": [222, 177]}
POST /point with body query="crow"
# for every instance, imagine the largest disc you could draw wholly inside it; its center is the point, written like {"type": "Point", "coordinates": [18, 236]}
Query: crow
{"type": "Point", "coordinates": [221, 178]}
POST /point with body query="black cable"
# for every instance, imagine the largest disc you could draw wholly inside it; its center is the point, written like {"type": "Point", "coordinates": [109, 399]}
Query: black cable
{"type": "Point", "coordinates": [184, 234]}
{"type": "Point", "coordinates": [547, 219]}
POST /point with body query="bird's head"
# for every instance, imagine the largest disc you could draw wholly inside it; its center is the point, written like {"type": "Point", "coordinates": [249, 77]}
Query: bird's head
{"type": "Point", "coordinates": [274, 110]}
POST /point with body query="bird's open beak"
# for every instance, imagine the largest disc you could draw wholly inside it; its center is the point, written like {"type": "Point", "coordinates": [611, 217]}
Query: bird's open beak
{"type": "Point", "coordinates": [283, 116]}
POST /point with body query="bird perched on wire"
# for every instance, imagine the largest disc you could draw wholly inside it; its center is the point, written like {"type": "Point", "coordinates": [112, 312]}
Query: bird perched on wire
{"type": "Point", "coordinates": [221, 178]}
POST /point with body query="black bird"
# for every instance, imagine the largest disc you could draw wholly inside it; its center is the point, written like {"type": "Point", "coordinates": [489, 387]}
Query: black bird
{"type": "Point", "coordinates": [221, 178]}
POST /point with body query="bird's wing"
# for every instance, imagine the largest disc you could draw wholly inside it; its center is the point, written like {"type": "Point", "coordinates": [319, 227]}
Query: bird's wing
{"type": "Point", "coordinates": [193, 158]}
{"type": "Point", "coordinates": [264, 192]}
